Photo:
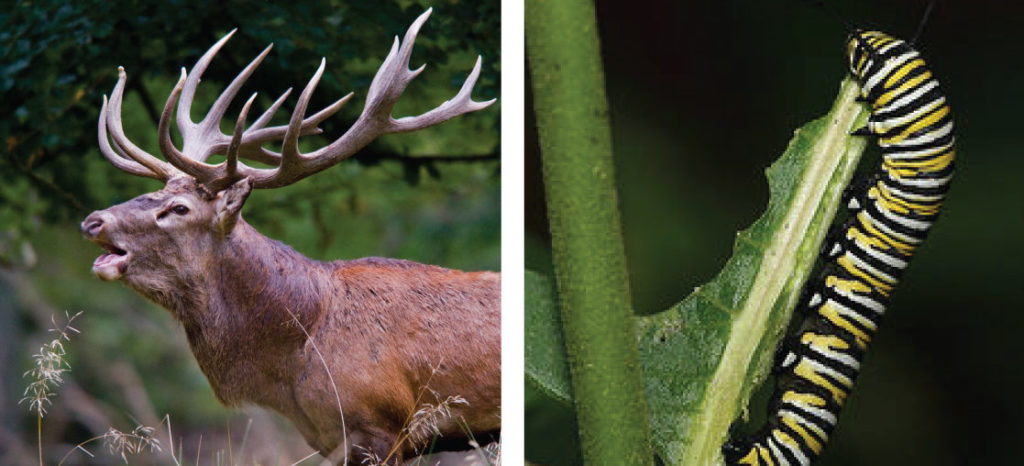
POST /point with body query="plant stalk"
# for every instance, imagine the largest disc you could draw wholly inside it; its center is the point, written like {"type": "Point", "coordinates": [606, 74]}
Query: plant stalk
{"type": "Point", "coordinates": [587, 247]}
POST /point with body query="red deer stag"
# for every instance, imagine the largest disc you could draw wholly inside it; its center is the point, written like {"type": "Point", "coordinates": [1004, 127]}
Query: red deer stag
{"type": "Point", "coordinates": [347, 350]}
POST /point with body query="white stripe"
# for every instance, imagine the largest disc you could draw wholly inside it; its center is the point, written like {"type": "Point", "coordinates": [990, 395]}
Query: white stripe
{"type": "Point", "coordinates": [836, 375]}
{"type": "Point", "coordinates": [861, 299]}
{"type": "Point", "coordinates": [820, 413]}
{"type": "Point", "coordinates": [923, 138]}
{"type": "Point", "coordinates": [920, 154]}
{"type": "Point", "coordinates": [910, 96]}
{"type": "Point", "coordinates": [921, 182]}
{"type": "Point", "coordinates": [914, 197]}
{"type": "Point", "coordinates": [889, 260]}
{"type": "Point", "coordinates": [804, 422]}
{"type": "Point", "coordinates": [780, 459]}
{"type": "Point", "coordinates": [841, 358]}
{"type": "Point", "coordinates": [918, 225]}
{"type": "Point", "coordinates": [850, 314]}
{"type": "Point", "coordinates": [871, 270]}
{"type": "Point", "coordinates": [885, 229]}
{"type": "Point", "coordinates": [884, 126]}
{"type": "Point", "coordinates": [888, 67]}
{"type": "Point", "coordinates": [797, 452]}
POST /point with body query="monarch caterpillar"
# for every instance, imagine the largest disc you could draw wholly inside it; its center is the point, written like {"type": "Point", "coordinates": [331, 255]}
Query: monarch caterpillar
{"type": "Point", "coordinates": [890, 217]}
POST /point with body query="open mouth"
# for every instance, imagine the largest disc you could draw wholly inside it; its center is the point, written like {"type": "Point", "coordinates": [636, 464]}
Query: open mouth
{"type": "Point", "coordinates": [110, 265]}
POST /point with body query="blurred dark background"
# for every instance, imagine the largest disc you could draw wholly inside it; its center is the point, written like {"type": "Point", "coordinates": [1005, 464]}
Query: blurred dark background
{"type": "Point", "coordinates": [705, 95]}
{"type": "Point", "coordinates": [431, 196]}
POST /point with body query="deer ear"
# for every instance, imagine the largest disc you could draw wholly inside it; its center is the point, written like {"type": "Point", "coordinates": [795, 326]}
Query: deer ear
{"type": "Point", "coordinates": [229, 203]}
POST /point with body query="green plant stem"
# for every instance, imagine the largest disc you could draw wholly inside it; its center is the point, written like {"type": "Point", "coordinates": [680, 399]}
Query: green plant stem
{"type": "Point", "coordinates": [39, 437]}
{"type": "Point", "coordinates": [587, 248]}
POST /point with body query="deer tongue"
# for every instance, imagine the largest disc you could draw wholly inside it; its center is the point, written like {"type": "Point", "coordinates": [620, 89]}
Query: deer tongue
{"type": "Point", "coordinates": [109, 266]}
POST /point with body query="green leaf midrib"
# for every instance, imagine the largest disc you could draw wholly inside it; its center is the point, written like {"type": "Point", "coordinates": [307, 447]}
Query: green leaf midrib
{"type": "Point", "coordinates": [834, 154]}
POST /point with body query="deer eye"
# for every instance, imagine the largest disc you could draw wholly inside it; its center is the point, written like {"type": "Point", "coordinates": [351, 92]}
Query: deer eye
{"type": "Point", "coordinates": [179, 209]}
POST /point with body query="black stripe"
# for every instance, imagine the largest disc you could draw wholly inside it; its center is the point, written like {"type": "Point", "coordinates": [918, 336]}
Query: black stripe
{"type": "Point", "coordinates": [877, 264]}
{"type": "Point", "coordinates": [874, 317]}
{"type": "Point", "coordinates": [921, 174]}
{"type": "Point", "coordinates": [872, 210]}
{"type": "Point", "coordinates": [900, 147]}
{"type": "Point", "coordinates": [887, 112]}
{"type": "Point", "coordinates": [881, 88]}
{"type": "Point", "coordinates": [812, 418]}
{"type": "Point", "coordinates": [790, 456]}
{"type": "Point", "coordinates": [801, 444]}
{"type": "Point", "coordinates": [893, 184]}
{"type": "Point", "coordinates": [807, 351]}
{"type": "Point", "coordinates": [898, 130]}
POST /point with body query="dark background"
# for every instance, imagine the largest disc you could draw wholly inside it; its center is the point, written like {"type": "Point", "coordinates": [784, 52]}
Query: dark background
{"type": "Point", "coordinates": [431, 196]}
{"type": "Point", "coordinates": [705, 95]}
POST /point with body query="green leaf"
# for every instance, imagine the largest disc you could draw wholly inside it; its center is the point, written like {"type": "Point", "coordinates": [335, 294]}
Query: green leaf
{"type": "Point", "coordinates": [703, 357]}
{"type": "Point", "coordinates": [546, 361]}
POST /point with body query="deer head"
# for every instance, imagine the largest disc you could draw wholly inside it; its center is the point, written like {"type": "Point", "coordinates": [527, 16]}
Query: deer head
{"type": "Point", "coordinates": [201, 201]}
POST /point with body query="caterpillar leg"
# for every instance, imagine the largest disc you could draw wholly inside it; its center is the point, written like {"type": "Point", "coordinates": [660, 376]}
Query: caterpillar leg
{"type": "Point", "coordinates": [862, 131]}
{"type": "Point", "coordinates": [854, 194]}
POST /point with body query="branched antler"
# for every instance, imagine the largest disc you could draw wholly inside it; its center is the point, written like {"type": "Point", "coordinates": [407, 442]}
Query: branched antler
{"type": "Point", "coordinates": [203, 139]}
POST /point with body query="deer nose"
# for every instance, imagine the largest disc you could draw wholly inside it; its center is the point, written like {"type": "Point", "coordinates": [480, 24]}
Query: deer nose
{"type": "Point", "coordinates": [93, 224]}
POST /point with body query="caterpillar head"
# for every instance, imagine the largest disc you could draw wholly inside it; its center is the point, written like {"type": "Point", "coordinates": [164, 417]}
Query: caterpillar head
{"type": "Point", "coordinates": [861, 46]}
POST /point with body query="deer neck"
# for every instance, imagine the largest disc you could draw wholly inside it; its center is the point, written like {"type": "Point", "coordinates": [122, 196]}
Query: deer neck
{"type": "Point", "coordinates": [256, 294]}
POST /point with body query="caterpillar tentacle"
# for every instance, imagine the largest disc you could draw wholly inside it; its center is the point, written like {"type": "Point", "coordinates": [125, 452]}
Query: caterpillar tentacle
{"type": "Point", "coordinates": [864, 258]}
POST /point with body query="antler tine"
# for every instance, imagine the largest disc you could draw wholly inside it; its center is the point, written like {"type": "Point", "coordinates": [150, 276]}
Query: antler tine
{"type": "Point", "coordinates": [203, 139]}
{"type": "Point", "coordinates": [231, 172]}
{"type": "Point", "coordinates": [270, 111]}
{"type": "Point", "coordinates": [375, 120]}
{"type": "Point", "coordinates": [188, 92]}
{"type": "Point", "coordinates": [220, 106]}
{"type": "Point", "coordinates": [198, 170]}
{"type": "Point", "coordinates": [256, 135]}
{"type": "Point", "coordinates": [290, 146]}
{"type": "Point", "coordinates": [125, 146]}
{"type": "Point", "coordinates": [118, 158]}
{"type": "Point", "coordinates": [461, 103]}
{"type": "Point", "coordinates": [254, 150]}
{"type": "Point", "coordinates": [394, 74]}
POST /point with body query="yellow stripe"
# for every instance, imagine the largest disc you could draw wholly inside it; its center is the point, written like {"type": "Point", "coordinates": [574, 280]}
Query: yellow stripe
{"type": "Point", "coordinates": [884, 99]}
{"type": "Point", "coordinates": [888, 203]}
{"type": "Point", "coordinates": [879, 283]}
{"type": "Point", "coordinates": [829, 342]}
{"type": "Point", "coordinates": [832, 314]}
{"type": "Point", "coordinates": [846, 286]}
{"type": "Point", "coordinates": [808, 439]}
{"type": "Point", "coordinates": [805, 371]}
{"type": "Point", "coordinates": [870, 229]}
{"type": "Point", "coordinates": [929, 162]}
{"type": "Point", "coordinates": [902, 71]}
{"type": "Point", "coordinates": [803, 398]}
{"type": "Point", "coordinates": [766, 455]}
{"type": "Point", "coordinates": [866, 241]}
{"type": "Point", "coordinates": [898, 204]}
{"type": "Point", "coordinates": [785, 438]}
{"type": "Point", "coordinates": [750, 458]}
{"type": "Point", "coordinates": [918, 125]}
